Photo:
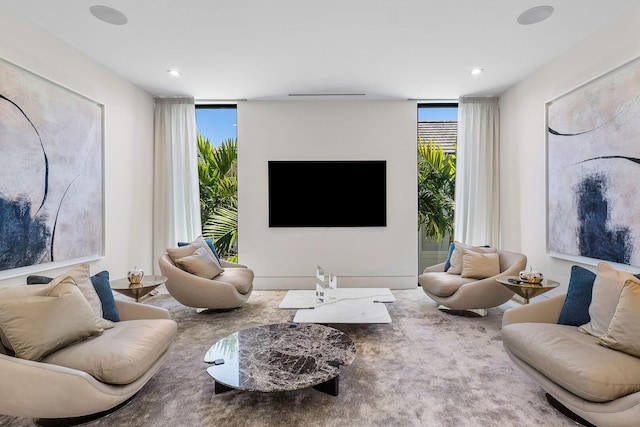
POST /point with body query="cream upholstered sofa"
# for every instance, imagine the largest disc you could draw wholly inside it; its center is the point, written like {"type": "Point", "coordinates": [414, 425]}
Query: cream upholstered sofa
{"type": "Point", "coordinates": [229, 289]}
{"type": "Point", "coordinates": [458, 293]}
{"type": "Point", "coordinates": [88, 376]}
{"type": "Point", "coordinates": [598, 384]}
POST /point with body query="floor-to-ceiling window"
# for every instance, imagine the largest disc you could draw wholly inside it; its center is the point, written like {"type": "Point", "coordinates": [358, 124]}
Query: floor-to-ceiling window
{"type": "Point", "coordinates": [217, 171]}
{"type": "Point", "coordinates": [437, 134]}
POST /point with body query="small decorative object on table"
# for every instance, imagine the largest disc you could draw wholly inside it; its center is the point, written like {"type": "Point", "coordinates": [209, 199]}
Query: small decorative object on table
{"type": "Point", "coordinates": [325, 286]}
{"type": "Point", "coordinates": [135, 276]}
{"type": "Point", "coordinates": [330, 292]}
{"type": "Point", "coordinates": [321, 284]}
{"type": "Point", "coordinates": [531, 276]}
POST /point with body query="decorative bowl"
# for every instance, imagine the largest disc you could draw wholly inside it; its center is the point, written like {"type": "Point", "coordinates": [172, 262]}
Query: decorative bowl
{"type": "Point", "coordinates": [135, 276]}
{"type": "Point", "coordinates": [531, 276]}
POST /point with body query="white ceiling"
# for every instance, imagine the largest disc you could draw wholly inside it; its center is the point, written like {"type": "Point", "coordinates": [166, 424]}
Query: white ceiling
{"type": "Point", "coordinates": [253, 49]}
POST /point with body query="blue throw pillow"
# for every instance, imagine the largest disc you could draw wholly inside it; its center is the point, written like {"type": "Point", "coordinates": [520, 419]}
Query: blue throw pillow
{"type": "Point", "coordinates": [575, 310]}
{"type": "Point", "coordinates": [209, 243]}
{"type": "Point", "coordinates": [102, 286]}
{"type": "Point", "coordinates": [447, 263]}
{"type": "Point", "coordinates": [100, 282]}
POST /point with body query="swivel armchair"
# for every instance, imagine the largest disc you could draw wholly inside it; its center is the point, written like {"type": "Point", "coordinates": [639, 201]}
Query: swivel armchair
{"type": "Point", "coordinates": [229, 289]}
{"type": "Point", "coordinates": [466, 296]}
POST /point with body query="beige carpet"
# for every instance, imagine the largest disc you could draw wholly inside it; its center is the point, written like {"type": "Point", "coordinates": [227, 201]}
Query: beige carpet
{"type": "Point", "coordinates": [427, 368]}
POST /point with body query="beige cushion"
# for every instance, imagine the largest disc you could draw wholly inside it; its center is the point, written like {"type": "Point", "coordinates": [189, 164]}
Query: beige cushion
{"type": "Point", "coordinates": [181, 251]}
{"type": "Point", "coordinates": [605, 295]}
{"type": "Point", "coordinates": [19, 292]}
{"type": "Point", "coordinates": [442, 284]}
{"type": "Point", "coordinates": [82, 276]}
{"type": "Point", "coordinates": [477, 265]}
{"type": "Point", "coordinates": [184, 251]}
{"type": "Point", "coordinates": [39, 325]}
{"type": "Point", "coordinates": [122, 354]}
{"type": "Point", "coordinates": [241, 278]}
{"type": "Point", "coordinates": [456, 256]}
{"type": "Point", "coordinates": [200, 263]}
{"type": "Point", "coordinates": [624, 330]}
{"type": "Point", "coordinates": [573, 360]}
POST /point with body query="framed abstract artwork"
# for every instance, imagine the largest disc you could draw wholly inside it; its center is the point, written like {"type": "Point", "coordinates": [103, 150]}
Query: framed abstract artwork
{"type": "Point", "coordinates": [593, 169]}
{"type": "Point", "coordinates": [51, 174]}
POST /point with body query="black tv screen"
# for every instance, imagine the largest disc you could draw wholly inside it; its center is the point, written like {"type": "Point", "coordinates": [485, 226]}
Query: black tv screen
{"type": "Point", "coordinates": [328, 193]}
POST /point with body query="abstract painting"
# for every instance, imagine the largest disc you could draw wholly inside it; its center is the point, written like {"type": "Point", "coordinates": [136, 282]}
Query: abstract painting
{"type": "Point", "coordinates": [593, 165]}
{"type": "Point", "coordinates": [51, 173]}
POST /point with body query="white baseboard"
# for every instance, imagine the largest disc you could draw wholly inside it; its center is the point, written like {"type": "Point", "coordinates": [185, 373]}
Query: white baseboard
{"type": "Point", "coordinates": [308, 282]}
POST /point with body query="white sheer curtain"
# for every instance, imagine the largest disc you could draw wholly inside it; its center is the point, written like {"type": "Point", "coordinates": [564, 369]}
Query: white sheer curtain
{"type": "Point", "coordinates": [477, 213]}
{"type": "Point", "coordinates": [176, 192]}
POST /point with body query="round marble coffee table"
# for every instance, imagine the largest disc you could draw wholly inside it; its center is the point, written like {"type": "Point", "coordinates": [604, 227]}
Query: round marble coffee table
{"type": "Point", "coordinates": [280, 357]}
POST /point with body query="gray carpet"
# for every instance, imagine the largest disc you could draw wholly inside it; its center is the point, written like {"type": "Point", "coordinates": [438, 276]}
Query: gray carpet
{"type": "Point", "coordinates": [427, 368]}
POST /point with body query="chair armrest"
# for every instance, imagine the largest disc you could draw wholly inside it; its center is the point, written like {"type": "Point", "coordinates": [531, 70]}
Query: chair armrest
{"type": "Point", "coordinates": [437, 268]}
{"type": "Point", "coordinates": [543, 311]}
{"type": "Point", "coordinates": [229, 264]}
{"type": "Point", "coordinates": [129, 310]}
{"type": "Point", "coordinates": [42, 390]}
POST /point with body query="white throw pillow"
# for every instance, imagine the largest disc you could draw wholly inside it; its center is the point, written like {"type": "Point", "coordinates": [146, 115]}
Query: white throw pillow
{"type": "Point", "coordinates": [456, 256]}
{"type": "Point", "coordinates": [604, 300]}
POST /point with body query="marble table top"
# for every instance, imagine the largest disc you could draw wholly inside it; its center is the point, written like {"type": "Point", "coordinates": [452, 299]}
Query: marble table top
{"type": "Point", "coordinates": [347, 305]}
{"type": "Point", "coordinates": [305, 298]}
{"type": "Point", "coordinates": [280, 357]}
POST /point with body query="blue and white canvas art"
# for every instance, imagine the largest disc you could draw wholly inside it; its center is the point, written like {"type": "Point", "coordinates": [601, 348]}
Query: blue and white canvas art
{"type": "Point", "coordinates": [51, 172]}
{"type": "Point", "coordinates": [593, 161]}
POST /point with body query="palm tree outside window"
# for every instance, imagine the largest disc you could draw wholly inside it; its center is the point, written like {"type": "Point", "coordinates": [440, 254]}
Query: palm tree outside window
{"type": "Point", "coordinates": [437, 134]}
{"type": "Point", "coordinates": [217, 173]}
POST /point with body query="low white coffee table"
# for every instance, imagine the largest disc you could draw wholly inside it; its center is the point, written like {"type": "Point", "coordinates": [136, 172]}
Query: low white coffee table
{"type": "Point", "coordinates": [350, 305]}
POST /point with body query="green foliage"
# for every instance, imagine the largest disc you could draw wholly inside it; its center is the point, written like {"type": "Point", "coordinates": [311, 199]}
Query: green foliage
{"type": "Point", "coordinates": [436, 190]}
{"type": "Point", "coordinates": [222, 228]}
{"type": "Point", "coordinates": [217, 172]}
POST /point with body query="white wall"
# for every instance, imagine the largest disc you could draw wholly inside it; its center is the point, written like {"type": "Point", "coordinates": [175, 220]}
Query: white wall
{"type": "Point", "coordinates": [523, 146]}
{"type": "Point", "coordinates": [128, 141]}
{"type": "Point", "coordinates": [284, 258]}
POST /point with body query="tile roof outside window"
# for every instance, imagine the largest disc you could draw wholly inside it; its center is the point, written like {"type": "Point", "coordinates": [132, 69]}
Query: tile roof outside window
{"type": "Point", "coordinates": [444, 133]}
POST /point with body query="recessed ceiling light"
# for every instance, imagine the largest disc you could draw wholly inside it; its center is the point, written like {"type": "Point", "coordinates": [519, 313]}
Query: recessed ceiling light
{"type": "Point", "coordinates": [174, 73]}
{"type": "Point", "coordinates": [476, 71]}
{"type": "Point", "coordinates": [535, 15]}
{"type": "Point", "coordinates": [109, 15]}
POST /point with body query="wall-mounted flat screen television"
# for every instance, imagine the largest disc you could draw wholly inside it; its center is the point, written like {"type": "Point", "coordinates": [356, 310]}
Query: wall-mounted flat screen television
{"type": "Point", "coordinates": [346, 193]}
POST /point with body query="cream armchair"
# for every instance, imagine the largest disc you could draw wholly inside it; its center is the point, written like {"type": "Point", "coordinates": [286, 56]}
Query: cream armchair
{"type": "Point", "coordinates": [230, 289]}
{"type": "Point", "coordinates": [580, 377]}
{"type": "Point", "coordinates": [47, 390]}
{"type": "Point", "coordinates": [471, 296]}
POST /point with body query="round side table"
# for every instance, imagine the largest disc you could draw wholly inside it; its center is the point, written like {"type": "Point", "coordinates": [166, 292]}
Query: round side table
{"type": "Point", "coordinates": [527, 290]}
{"type": "Point", "coordinates": [137, 290]}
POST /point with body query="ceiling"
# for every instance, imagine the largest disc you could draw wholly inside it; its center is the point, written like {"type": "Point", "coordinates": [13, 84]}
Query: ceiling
{"type": "Point", "coordinates": [256, 49]}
